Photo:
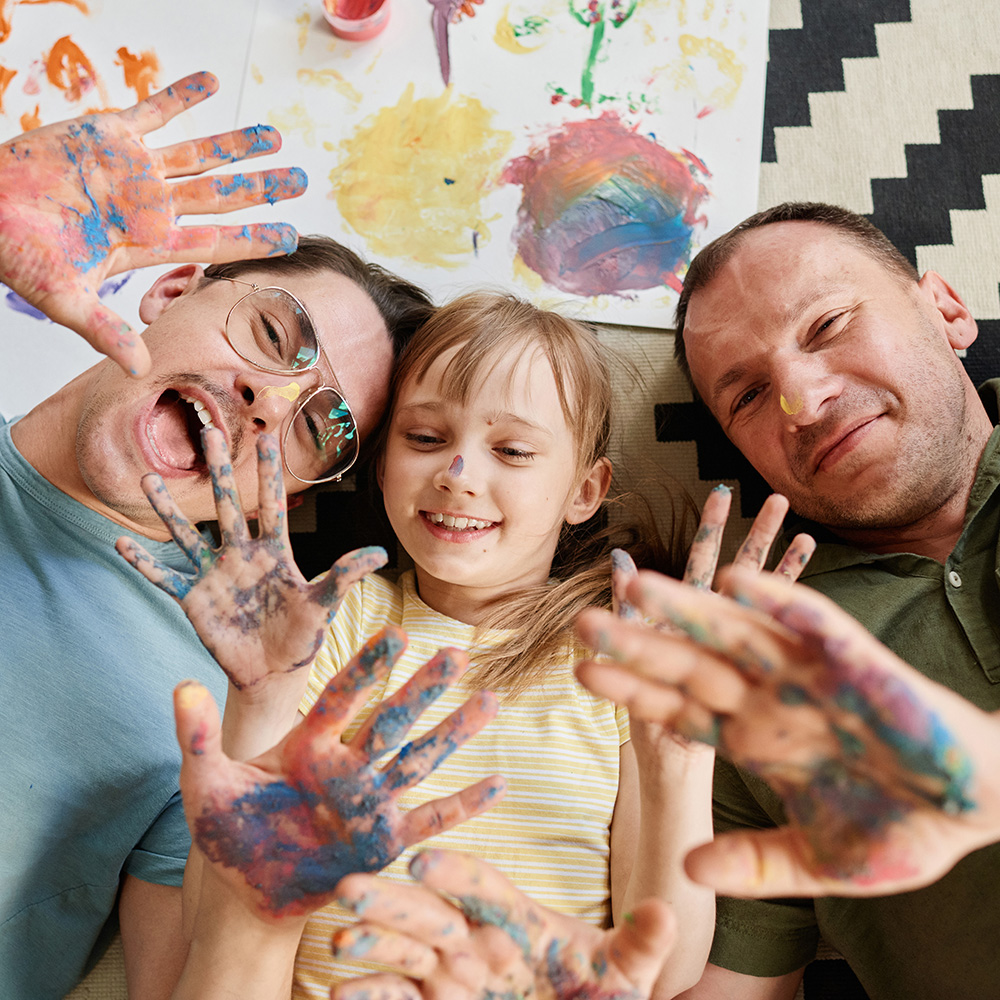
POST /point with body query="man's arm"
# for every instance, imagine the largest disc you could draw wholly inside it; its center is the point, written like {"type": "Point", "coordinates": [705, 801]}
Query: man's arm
{"type": "Point", "coordinates": [154, 948]}
{"type": "Point", "coordinates": [721, 984]}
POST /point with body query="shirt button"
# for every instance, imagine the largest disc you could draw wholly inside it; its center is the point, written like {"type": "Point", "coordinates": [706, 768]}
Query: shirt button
{"type": "Point", "coordinates": [954, 579]}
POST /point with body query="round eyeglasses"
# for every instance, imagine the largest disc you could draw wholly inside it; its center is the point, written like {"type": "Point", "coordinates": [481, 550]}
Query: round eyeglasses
{"type": "Point", "coordinates": [272, 330]}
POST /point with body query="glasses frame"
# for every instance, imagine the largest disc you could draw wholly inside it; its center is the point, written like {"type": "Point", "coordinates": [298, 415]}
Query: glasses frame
{"type": "Point", "coordinates": [312, 366]}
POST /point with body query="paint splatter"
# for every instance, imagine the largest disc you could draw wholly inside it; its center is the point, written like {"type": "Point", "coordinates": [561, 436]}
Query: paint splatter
{"type": "Point", "coordinates": [605, 210]}
{"type": "Point", "coordinates": [6, 75]}
{"type": "Point", "coordinates": [708, 68]}
{"type": "Point", "coordinates": [70, 70]}
{"type": "Point", "coordinates": [140, 71]}
{"type": "Point", "coordinates": [330, 78]}
{"type": "Point", "coordinates": [456, 467]}
{"type": "Point", "coordinates": [387, 184]}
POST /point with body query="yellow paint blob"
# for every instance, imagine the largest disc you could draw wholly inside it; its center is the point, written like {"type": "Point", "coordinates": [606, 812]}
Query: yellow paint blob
{"type": "Point", "coordinates": [710, 69]}
{"type": "Point", "coordinates": [330, 78]}
{"type": "Point", "coordinates": [304, 21]}
{"type": "Point", "coordinates": [412, 178]}
{"type": "Point", "coordinates": [294, 119]}
{"type": "Point", "coordinates": [291, 392]}
{"type": "Point", "coordinates": [504, 36]}
{"type": "Point", "coordinates": [790, 408]}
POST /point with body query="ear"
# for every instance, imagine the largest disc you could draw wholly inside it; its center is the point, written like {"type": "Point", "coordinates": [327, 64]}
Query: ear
{"type": "Point", "coordinates": [960, 327]}
{"type": "Point", "coordinates": [167, 289]}
{"type": "Point", "coordinates": [590, 493]}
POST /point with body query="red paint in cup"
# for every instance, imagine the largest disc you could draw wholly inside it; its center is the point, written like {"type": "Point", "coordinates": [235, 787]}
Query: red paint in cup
{"type": "Point", "coordinates": [356, 20]}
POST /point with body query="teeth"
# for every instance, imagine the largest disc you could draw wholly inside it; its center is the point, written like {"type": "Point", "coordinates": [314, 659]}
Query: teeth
{"type": "Point", "coordinates": [201, 409]}
{"type": "Point", "coordinates": [459, 523]}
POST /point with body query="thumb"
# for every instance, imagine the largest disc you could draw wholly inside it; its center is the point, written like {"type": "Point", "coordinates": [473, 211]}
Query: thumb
{"type": "Point", "coordinates": [104, 330]}
{"type": "Point", "coordinates": [347, 570]}
{"type": "Point", "coordinates": [643, 942]}
{"type": "Point", "coordinates": [199, 733]}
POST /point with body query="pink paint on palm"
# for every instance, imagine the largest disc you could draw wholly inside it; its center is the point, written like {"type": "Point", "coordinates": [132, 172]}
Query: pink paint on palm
{"type": "Point", "coordinates": [356, 20]}
{"type": "Point", "coordinates": [455, 469]}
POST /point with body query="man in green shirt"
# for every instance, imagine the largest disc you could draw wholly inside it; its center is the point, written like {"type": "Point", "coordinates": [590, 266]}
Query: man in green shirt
{"type": "Point", "coordinates": [832, 365]}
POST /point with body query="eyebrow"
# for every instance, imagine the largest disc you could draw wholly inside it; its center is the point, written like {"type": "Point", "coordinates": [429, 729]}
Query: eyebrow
{"type": "Point", "coordinates": [502, 416]}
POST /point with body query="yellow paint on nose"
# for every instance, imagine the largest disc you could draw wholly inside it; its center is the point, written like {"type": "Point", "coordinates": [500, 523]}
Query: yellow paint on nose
{"type": "Point", "coordinates": [291, 392]}
{"type": "Point", "coordinates": [790, 408]}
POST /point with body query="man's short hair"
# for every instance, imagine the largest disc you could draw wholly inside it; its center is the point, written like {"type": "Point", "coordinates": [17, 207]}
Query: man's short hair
{"type": "Point", "coordinates": [713, 258]}
{"type": "Point", "coordinates": [402, 305]}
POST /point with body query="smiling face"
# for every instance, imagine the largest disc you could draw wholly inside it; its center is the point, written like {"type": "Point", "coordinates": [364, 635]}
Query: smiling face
{"type": "Point", "coordinates": [478, 491]}
{"type": "Point", "coordinates": [128, 427]}
{"type": "Point", "coordinates": [837, 378]}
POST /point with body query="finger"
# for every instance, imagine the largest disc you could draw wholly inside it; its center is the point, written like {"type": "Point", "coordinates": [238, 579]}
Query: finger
{"type": "Point", "coordinates": [370, 943]}
{"type": "Point", "coordinates": [424, 755]}
{"type": "Point", "coordinates": [408, 909]}
{"type": "Point", "coordinates": [199, 734]}
{"type": "Point", "coordinates": [644, 699]}
{"type": "Point", "coordinates": [177, 585]}
{"type": "Point", "coordinates": [622, 571]}
{"type": "Point", "coordinates": [666, 658]}
{"type": "Point", "coordinates": [348, 690]}
{"type": "Point", "coordinates": [161, 107]}
{"type": "Point", "coordinates": [232, 523]}
{"type": "Point", "coordinates": [486, 897]}
{"type": "Point", "coordinates": [643, 942]}
{"type": "Point", "coordinates": [103, 329]}
{"type": "Point", "coordinates": [382, 987]}
{"type": "Point", "coordinates": [389, 724]}
{"type": "Point", "coordinates": [272, 506]}
{"type": "Point", "coordinates": [195, 156]}
{"type": "Point", "coordinates": [794, 561]}
{"type": "Point", "coordinates": [236, 191]}
{"type": "Point", "coordinates": [220, 244]}
{"type": "Point", "coordinates": [347, 570]}
{"type": "Point", "coordinates": [766, 525]}
{"type": "Point", "coordinates": [442, 814]}
{"type": "Point", "coordinates": [704, 555]}
{"type": "Point", "coordinates": [183, 532]}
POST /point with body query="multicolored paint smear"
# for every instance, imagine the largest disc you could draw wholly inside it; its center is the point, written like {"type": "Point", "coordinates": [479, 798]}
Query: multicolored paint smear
{"type": "Point", "coordinates": [412, 178]}
{"type": "Point", "coordinates": [605, 210]}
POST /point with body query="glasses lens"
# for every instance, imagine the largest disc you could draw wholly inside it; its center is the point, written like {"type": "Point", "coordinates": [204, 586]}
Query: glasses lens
{"type": "Point", "coordinates": [325, 438]}
{"type": "Point", "coordinates": [272, 330]}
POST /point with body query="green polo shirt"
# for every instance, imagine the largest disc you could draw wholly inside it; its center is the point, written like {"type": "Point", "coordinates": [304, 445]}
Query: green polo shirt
{"type": "Point", "coordinates": [934, 943]}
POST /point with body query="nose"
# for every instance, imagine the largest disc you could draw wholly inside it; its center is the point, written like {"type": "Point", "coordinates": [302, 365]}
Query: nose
{"type": "Point", "coordinates": [270, 398]}
{"type": "Point", "coordinates": [455, 476]}
{"type": "Point", "coordinates": [804, 390]}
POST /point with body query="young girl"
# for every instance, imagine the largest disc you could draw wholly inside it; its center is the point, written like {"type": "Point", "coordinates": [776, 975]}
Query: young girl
{"type": "Point", "coordinates": [492, 458]}
{"type": "Point", "coordinates": [492, 463]}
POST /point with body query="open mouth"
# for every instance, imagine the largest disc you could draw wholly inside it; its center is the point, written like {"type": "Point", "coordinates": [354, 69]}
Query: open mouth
{"type": "Point", "coordinates": [174, 431]}
{"type": "Point", "coordinates": [457, 523]}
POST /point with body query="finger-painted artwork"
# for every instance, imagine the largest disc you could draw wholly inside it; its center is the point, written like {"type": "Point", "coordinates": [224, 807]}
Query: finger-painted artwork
{"type": "Point", "coordinates": [573, 151]}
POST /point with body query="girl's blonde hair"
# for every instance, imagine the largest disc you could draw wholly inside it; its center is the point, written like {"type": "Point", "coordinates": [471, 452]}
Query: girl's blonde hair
{"type": "Point", "coordinates": [486, 328]}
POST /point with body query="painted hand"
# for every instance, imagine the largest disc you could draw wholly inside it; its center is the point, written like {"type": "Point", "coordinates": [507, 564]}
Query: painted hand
{"type": "Point", "coordinates": [885, 776]}
{"type": "Point", "coordinates": [253, 609]}
{"type": "Point", "coordinates": [492, 941]}
{"type": "Point", "coordinates": [285, 828]}
{"type": "Point", "coordinates": [85, 199]}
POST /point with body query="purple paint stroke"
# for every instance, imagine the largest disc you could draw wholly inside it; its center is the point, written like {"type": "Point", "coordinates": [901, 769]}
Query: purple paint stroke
{"type": "Point", "coordinates": [456, 467]}
{"type": "Point", "coordinates": [20, 305]}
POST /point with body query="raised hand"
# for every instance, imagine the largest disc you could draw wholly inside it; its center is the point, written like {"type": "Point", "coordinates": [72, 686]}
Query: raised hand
{"type": "Point", "coordinates": [468, 934]}
{"type": "Point", "coordinates": [252, 607]}
{"type": "Point", "coordinates": [887, 778]}
{"type": "Point", "coordinates": [284, 828]}
{"type": "Point", "coordinates": [85, 199]}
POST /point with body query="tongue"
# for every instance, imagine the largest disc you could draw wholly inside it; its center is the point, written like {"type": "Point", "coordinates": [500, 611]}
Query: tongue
{"type": "Point", "coordinates": [170, 434]}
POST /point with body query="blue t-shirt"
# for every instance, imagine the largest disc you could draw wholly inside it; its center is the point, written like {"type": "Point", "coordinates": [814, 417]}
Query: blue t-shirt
{"type": "Point", "coordinates": [89, 655]}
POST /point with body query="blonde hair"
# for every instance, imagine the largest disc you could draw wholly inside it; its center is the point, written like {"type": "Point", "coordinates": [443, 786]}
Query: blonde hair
{"type": "Point", "coordinates": [486, 328]}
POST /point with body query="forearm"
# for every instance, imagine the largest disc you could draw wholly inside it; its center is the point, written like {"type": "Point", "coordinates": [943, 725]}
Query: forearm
{"type": "Point", "coordinates": [235, 954]}
{"type": "Point", "coordinates": [675, 814]}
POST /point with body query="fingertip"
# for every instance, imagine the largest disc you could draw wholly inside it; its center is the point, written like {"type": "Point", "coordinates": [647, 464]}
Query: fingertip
{"type": "Point", "coordinates": [189, 694]}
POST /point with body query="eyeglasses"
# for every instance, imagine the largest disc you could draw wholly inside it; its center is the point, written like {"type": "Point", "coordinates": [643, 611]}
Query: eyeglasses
{"type": "Point", "coordinates": [272, 330]}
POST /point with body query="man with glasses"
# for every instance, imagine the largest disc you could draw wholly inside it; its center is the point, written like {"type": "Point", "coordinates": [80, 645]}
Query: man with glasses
{"type": "Point", "coordinates": [300, 346]}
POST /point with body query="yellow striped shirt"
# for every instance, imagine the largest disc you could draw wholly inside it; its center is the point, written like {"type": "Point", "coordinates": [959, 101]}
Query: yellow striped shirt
{"type": "Point", "coordinates": [557, 746]}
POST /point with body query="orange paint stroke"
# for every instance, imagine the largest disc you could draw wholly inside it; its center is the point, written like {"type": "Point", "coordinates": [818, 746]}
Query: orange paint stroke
{"type": "Point", "coordinates": [30, 120]}
{"type": "Point", "coordinates": [140, 71]}
{"type": "Point", "coordinates": [6, 75]}
{"type": "Point", "coordinates": [69, 69]}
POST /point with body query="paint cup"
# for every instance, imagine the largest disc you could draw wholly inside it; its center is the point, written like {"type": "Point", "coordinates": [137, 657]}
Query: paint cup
{"type": "Point", "coordinates": [356, 20]}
